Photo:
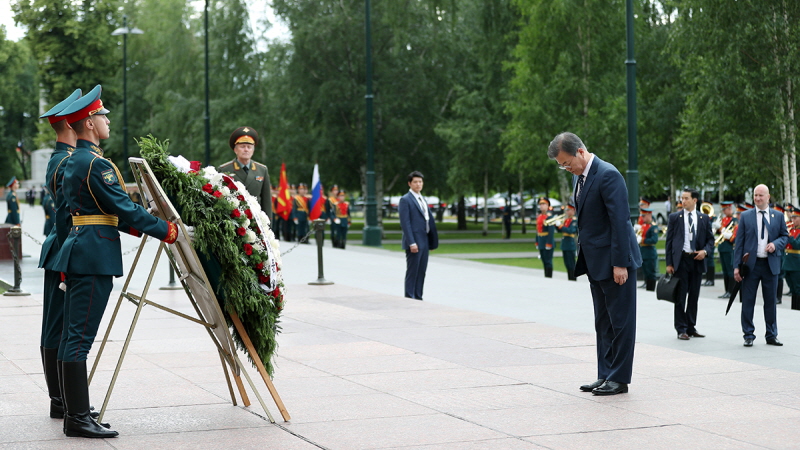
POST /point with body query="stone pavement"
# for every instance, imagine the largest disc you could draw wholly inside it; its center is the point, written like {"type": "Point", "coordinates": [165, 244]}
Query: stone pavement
{"type": "Point", "coordinates": [492, 359]}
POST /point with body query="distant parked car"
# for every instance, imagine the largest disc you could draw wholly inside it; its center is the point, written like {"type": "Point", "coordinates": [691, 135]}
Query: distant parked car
{"type": "Point", "coordinates": [532, 207]}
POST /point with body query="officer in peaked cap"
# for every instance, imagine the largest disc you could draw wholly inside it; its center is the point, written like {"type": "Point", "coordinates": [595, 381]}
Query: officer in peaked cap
{"type": "Point", "coordinates": [53, 307]}
{"type": "Point", "coordinates": [253, 175]}
{"type": "Point", "coordinates": [100, 208]}
{"type": "Point", "coordinates": [11, 201]}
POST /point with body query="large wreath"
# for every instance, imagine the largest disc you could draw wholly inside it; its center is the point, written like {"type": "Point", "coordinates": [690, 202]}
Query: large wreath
{"type": "Point", "coordinates": [230, 225]}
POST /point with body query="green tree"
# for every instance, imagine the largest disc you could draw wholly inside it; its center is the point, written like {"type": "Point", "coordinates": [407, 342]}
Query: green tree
{"type": "Point", "coordinates": [18, 106]}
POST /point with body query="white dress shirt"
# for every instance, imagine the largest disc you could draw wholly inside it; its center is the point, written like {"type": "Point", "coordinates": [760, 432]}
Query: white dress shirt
{"type": "Point", "coordinates": [762, 243]}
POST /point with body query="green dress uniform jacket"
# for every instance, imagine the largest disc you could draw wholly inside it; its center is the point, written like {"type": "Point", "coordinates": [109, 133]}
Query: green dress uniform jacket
{"type": "Point", "coordinates": [300, 214]}
{"type": "Point", "coordinates": [13, 208]}
{"type": "Point", "coordinates": [649, 253]}
{"type": "Point", "coordinates": [792, 261]}
{"type": "Point", "coordinates": [92, 188]}
{"type": "Point", "coordinates": [255, 179]}
{"type": "Point", "coordinates": [568, 235]}
{"type": "Point", "coordinates": [49, 206]}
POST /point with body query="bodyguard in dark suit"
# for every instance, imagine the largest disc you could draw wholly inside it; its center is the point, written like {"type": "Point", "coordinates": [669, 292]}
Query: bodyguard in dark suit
{"type": "Point", "coordinates": [419, 235]}
{"type": "Point", "coordinates": [608, 254]}
{"type": "Point", "coordinates": [689, 241]}
{"type": "Point", "coordinates": [100, 208]}
{"type": "Point", "coordinates": [762, 234]}
{"type": "Point", "coordinates": [254, 176]}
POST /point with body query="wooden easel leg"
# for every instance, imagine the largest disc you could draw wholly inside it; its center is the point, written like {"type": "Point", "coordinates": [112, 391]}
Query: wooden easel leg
{"type": "Point", "coordinates": [227, 377]}
{"type": "Point", "coordinates": [242, 392]}
{"type": "Point", "coordinates": [260, 366]}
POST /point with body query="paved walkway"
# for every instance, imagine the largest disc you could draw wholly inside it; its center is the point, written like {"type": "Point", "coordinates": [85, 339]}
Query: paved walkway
{"type": "Point", "coordinates": [492, 359]}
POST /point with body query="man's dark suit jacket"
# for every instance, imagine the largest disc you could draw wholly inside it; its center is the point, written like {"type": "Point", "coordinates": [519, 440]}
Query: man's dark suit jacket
{"type": "Point", "coordinates": [412, 222]}
{"type": "Point", "coordinates": [747, 239]}
{"type": "Point", "coordinates": [605, 236]}
{"type": "Point", "coordinates": [703, 239]}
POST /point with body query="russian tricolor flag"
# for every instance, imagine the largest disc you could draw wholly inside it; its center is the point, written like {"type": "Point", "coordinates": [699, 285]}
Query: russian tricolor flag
{"type": "Point", "coordinates": [317, 200]}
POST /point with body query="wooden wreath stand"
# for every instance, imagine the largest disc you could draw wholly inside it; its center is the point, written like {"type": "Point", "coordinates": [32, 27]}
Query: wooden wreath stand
{"type": "Point", "coordinates": [186, 264]}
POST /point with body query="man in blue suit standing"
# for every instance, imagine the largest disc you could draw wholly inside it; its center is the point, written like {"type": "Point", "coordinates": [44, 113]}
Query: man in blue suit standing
{"type": "Point", "coordinates": [419, 235]}
{"type": "Point", "coordinates": [762, 234]}
{"type": "Point", "coordinates": [689, 241]}
{"type": "Point", "coordinates": [608, 253]}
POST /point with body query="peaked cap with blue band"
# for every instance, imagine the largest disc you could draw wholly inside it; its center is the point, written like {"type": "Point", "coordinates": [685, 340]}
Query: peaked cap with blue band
{"type": "Point", "coordinates": [51, 115]}
{"type": "Point", "coordinates": [86, 106]}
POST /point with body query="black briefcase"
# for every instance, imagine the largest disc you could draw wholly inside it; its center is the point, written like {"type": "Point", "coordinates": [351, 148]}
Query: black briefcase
{"type": "Point", "coordinates": [667, 288]}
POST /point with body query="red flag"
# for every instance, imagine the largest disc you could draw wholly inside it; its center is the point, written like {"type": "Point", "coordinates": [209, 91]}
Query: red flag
{"type": "Point", "coordinates": [284, 206]}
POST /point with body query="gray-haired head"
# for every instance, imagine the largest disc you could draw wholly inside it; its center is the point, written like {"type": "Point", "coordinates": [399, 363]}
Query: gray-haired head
{"type": "Point", "coordinates": [566, 142]}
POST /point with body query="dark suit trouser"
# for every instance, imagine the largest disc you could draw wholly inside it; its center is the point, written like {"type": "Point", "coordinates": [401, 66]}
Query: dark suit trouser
{"type": "Point", "coordinates": [615, 327]}
{"type": "Point", "coordinates": [84, 305]}
{"type": "Point", "coordinates": [690, 274]}
{"type": "Point", "coordinates": [769, 286]}
{"type": "Point", "coordinates": [53, 310]}
{"type": "Point", "coordinates": [416, 265]}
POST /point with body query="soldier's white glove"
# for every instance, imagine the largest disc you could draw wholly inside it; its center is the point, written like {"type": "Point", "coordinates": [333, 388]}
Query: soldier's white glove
{"type": "Point", "coordinates": [727, 235]}
{"type": "Point", "coordinates": [637, 227]}
{"type": "Point", "coordinates": [153, 209]}
{"type": "Point", "coordinates": [641, 240]}
{"type": "Point", "coordinates": [559, 223]}
{"type": "Point", "coordinates": [716, 226]}
{"type": "Point", "coordinates": [189, 233]}
{"type": "Point", "coordinates": [337, 221]}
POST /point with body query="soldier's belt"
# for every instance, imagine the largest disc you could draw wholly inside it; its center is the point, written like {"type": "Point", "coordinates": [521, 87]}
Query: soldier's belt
{"type": "Point", "coordinates": [99, 219]}
{"type": "Point", "coordinates": [567, 235]}
{"type": "Point", "coordinates": [645, 245]}
{"type": "Point", "coordinates": [544, 234]}
{"type": "Point", "coordinates": [793, 251]}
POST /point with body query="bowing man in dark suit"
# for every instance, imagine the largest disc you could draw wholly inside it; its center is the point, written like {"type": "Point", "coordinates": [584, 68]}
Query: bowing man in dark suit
{"type": "Point", "coordinates": [608, 253]}
{"type": "Point", "coordinates": [762, 233]}
{"type": "Point", "coordinates": [689, 241]}
{"type": "Point", "coordinates": [419, 235]}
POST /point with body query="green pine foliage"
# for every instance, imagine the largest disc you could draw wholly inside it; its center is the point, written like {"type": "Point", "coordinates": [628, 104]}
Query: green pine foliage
{"type": "Point", "coordinates": [214, 233]}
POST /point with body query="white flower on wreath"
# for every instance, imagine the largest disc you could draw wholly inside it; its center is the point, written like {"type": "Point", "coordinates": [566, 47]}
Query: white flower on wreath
{"type": "Point", "coordinates": [246, 222]}
{"type": "Point", "coordinates": [250, 237]}
{"type": "Point", "coordinates": [216, 179]}
{"type": "Point", "coordinates": [264, 219]}
{"type": "Point", "coordinates": [226, 192]}
{"type": "Point", "coordinates": [209, 172]}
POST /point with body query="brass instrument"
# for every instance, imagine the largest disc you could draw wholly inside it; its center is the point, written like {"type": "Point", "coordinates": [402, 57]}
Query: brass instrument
{"type": "Point", "coordinates": [722, 232]}
{"type": "Point", "coordinates": [554, 219]}
{"type": "Point", "coordinates": [707, 209]}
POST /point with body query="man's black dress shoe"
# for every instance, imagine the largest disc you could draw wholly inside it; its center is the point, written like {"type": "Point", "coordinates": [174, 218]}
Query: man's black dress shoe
{"type": "Point", "coordinates": [696, 334]}
{"type": "Point", "coordinates": [748, 342]}
{"type": "Point", "coordinates": [591, 387]}
{"type": "Point", "coordinates": [611, 388]}
{"type": "Point", "coordinates": [775, 342]}
{"type": "Point", "coordinates": [683, 337]}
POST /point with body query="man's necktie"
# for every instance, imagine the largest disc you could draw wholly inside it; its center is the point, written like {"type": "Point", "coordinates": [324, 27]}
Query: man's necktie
{"type": "Point", "coordinates": [579, 189]}
{"type": "Point", "coordinates": [763, 222]}
{"type": "Point", "coordinates": [691, 230]}
{"type": "Point", "coordinates": [424, 209]}
{"type": "Point", "coordinates": [246, 169]}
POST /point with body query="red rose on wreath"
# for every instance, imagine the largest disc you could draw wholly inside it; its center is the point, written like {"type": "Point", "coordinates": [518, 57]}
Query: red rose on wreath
{"type": "Point", "coordinates": [277, 292]}
{"type": "Point", "coordinates": [260, 266]}
{"type": "Point", "coordinates": [248, 249]}
{"type": "Point", "coordinates": [217, 194]}
{"type": "Point", "coordinates": [263, 279]}
{"type": "Point", "coordinates": [241, 231]}
{"type": "Point", "coordinates": [208, 188]}
{"type": "Point", "coordinates": [235, 213]}
{"type": "Point", "coordinates": [248, 213]}
{"type": "Point", "coordinates": [240, 198]}
{"type": "Point", "coordinates": [194, 165]}
{"type": "Point", "coordinates": [231, 185]}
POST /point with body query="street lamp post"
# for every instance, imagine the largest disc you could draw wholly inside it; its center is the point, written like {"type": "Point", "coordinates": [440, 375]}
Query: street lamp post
{"type": "Point", "coordinates": [372, 232]}
{"type": "Point", "coordinates": [633, 151]}
{"type": "Point", "coordinates": [125, 31]}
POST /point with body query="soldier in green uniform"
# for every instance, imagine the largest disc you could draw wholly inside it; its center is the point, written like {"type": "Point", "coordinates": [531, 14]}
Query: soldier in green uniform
{"type": "Point", "coordinates": [300, 211]}
{"type": "Point", "coordinates": [569, 231]}
{"type": "Point", "coordinates": [11, 201]}
{"type": "Point", "coordinates": [545, 236]}
{"type": "Point", "coordinates": [648, 238]}
{"type": "Point", "coordinates": [708, 208]}
{"type": "Point", "coordinates": [725, 235]}
{"type": "Point", "coordinates": [100, 208]}
{"type": "Point", "coordinates": [791, 265]}
{"type": "Point", "coordinates": [53, 296]}
{"type": "Point", "coordinates": [342, 219]}
{"type": "Point", "coordinates": [330, 211]}
{"type": "Point", "coordinates": [253, 175]}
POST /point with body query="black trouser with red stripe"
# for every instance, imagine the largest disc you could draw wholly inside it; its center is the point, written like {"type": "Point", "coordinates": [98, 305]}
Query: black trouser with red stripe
{"type": "Point", "coordinates": [84, 305]}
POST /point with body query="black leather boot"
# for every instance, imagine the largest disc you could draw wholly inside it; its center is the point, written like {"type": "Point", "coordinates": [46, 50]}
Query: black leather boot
{"type": "Point", "coordinates": [78, 421]}
{"type": "Point", "coordinates": [571, 275]}
{"type": "Point", "coordinates": [651, 285]}
{"type": "Point", "coordinates": [50, 365]}
{"type": "Point", "coordinates": [795, 301]}
{"type": "Point", "coordinates": [548, 272]}
{"type": "Point", "coordinates": [780, 291]}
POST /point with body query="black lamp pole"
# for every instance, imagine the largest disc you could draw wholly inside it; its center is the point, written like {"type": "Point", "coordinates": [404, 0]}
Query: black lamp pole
{"type": "Point", "coordinates": [633, 161]}
{"type": "Point", "coordinates": [125, 31]}
{"type": "Point", "coordinates": [372, 232]}
{"type": "Point", "coordinates": [208, 113]}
